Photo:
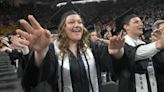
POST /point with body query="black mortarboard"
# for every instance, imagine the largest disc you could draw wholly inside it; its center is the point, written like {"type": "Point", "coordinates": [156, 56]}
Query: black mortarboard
{"type": "Point", "coordinates": [120, 20]}
{"type": "Point", "coordinates": [11, 33]}
{"type": "Point", "coordinates": [53, 29]}
{"type": "Point", "coordinates": [64, 11]}
{"type": "Point", "coordinates": [91, 28]}
{"type": "Point", "coordinates": [147, 35]}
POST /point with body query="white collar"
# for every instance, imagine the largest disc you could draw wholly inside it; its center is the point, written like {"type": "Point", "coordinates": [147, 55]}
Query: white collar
{"type": "Point", "coordinates": [133, 42]}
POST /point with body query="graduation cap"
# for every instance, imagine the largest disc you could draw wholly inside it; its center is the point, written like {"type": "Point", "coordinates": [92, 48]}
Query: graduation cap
{"type": "Point", "coordinates": [64, 11]}
{"type": "Point", "coordinates": [91, 28]}
{"type": "Point", "coordinates": [147, 35]}
{"type": "Point", "coordinates": [11, 33]}
{"type": "Point", "coordinates": [120, 20]}
{"type": "Point", "coordinates": [53, 29]}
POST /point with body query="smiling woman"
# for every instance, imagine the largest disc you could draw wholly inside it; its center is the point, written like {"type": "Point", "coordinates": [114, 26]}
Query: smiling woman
{"type": "Point", "coordinates": [67, 64]}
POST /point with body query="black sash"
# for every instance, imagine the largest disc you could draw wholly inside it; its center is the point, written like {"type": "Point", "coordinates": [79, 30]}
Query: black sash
{"type": "Point", "coordinates": [80, 82]}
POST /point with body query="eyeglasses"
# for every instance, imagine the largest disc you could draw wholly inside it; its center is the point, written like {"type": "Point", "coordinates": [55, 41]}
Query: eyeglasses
{"type": "Point", "coordinates": [157, 30]}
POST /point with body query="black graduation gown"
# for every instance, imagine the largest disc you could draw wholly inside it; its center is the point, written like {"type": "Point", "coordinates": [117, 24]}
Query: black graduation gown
{"type": "Point", "coordinates": [45, 77]}
{"type": "Point", "coordinates": [158, 61]}
{"type": "Point", "coordinates": [126, 68]}
{"type": "Point", "coordinates": [14, 55]}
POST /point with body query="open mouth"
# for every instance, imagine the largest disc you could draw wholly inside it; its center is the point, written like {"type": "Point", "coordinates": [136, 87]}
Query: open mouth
{"type": "Point", "coordinates": [141, 28]}
{"type": "Point", "coordinates": [76, 30]}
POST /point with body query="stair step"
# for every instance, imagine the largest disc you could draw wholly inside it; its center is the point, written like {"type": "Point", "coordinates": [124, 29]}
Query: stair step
{"type": "Point", "coordinates": [16, 88]}
{"type": "Point", "coordinates": [7, 69]}
{"type": "Point", "coordinates": [8, 73]}
{"type": "Point", "coordinates": [8, 80]}
{"type": "Point", "coordinates": [4, 58]}
{"type": "Point", "coordinates": [3, 54]}
{"type": "Point", "coordinates": [5, 63]}
{"type": "Point", "coordinates": [9, 77]}
{"type": "Point", "coordinates": [6, 66]}
{"type": "Point", "coordinates": [11, 85]}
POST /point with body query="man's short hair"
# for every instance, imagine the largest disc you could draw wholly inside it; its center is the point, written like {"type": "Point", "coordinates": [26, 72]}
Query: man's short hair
{"type": "Point", "coordinates": [127, 18]}
{"type": "Point", "coordinates": [156, 24]}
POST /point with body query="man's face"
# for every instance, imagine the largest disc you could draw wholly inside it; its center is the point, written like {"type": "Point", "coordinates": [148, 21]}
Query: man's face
{"type": "Point", "coordinates": [135, 26]}
{"type": "Point", "coordinates": [156, 35]}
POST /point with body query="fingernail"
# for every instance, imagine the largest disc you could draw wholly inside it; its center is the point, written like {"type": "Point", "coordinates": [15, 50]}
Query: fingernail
{"type": "Point", "coordinates": [21, 20]}
{"type": "Point", "coordinates": [30, 16]}
{"type": "Point", "coordinates": [17, 30]}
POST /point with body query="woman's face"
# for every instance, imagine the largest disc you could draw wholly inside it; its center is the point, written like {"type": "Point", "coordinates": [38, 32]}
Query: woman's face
{"type": "Point", "coordinates": [74, 27]}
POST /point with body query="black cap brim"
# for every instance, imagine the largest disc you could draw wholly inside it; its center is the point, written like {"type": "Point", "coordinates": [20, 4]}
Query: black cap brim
{"type": "Point", "coordinates": [119, 19]}
{"type": "Point", "coordinates": [58, 15]}
{"type": "Point", "coordinates": [90, 28]}
{"type": "Point", "coordinates": [53, 29]}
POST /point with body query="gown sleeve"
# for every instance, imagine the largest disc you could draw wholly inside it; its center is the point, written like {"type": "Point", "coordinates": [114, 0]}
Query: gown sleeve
{"type": "Point", "coordinates": [158, 60]}
{"type": "Point", "coordinates": [127, 64]}
{"type": "Point", "coordinates": [102, 57]}
{"type": "Point", "coordinates": [42, 78]}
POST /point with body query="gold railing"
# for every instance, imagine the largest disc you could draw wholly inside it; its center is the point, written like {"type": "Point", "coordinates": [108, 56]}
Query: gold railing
{"type": "Point", "coordinates": [6, 30]}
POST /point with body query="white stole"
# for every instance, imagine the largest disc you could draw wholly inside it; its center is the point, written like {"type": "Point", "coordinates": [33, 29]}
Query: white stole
{"type": "Point", "coordinates": [141, 79]}
{"type": "Point", "coordinates": [66, 69]}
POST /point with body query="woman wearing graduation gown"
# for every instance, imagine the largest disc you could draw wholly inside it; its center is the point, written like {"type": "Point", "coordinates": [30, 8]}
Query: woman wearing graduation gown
{"type": "Point", "coordinates": [67, 64]}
